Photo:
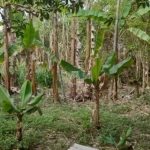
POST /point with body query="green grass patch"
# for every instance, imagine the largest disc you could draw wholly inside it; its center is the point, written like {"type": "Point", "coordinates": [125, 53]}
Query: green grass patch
{"type": "Point", "coordinates": [62, 125]}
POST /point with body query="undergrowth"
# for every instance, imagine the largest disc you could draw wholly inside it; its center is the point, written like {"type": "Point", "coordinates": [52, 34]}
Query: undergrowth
{"type": "Point", "coordinates": [62, 125]}
{"type": "Point", "coordinates": [43, 76]}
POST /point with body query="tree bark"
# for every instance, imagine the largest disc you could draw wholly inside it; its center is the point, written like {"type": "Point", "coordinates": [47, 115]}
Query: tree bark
{"type": "Point", "coordinates": [115, 94]}
{"type": "Point", "coordinates": [6, 55]}
{"type": "Point", "coordinates": [96, 109]}
{"type": "Point", "coordinates": [28, 59]}
{"type": "Point", "coordinates": [19, 127]}
{"type": "Point", "coordinates": [55, 50]}
{"type": "Point", "coordinates": [33, 79]}
{"type": "Point", "coordinates": [73, 56]}
{"type": "Point", "coordinates": [144, 70]}
{"type": "Point", "coordinates": [88, 40]}
{"type": "Point", "coordinates": [88, 45]}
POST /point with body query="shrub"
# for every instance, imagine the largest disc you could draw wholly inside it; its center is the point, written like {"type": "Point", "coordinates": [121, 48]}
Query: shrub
{"type": "Point", "coordinates": [43, 76]}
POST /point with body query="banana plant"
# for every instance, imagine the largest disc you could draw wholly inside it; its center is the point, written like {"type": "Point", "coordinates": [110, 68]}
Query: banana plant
{"type": "Point", "coordinates": [25, 105]}
{"type": "Point", "coordinates": [109, 68]}
{"type": "Point", "coordinates": [92, 14]}
{"type": "Point", "coordinates": [125, 12]}
{"type": "Point", "coordinates": [140, 12]}
{"type": "Point", "coordinates": [140, 34]}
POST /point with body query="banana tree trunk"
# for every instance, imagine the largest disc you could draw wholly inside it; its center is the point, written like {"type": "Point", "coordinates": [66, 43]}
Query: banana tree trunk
{"type": "Point", "coordinates": [73, 52]}
{"type": "Point", "coordinates": [28, 59]}
{"type": "Point", "coordinates": [115, 93]}
{"type": "Point", "coordinates": [6, 55]}
{"type": "Point", "coordinates": [88, 45]}
{"type": "Point", "coordinates": [19, 127]}
{"type": "Point", "coordinates": [144, 70]}
{"type": "Point", "coordinates": [33, 79]}
{"type": "Point", "coordinates": [55, 49]}
{"type": "Point", "coordinates": [88, 39]}
{"type": "Point", "coordinates": [28, 66]}
{"type": "Point", "coordinates": [96, 109]}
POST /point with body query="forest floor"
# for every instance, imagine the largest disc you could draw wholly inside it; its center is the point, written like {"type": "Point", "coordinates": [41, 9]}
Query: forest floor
{"type": "Point", "coordinates": [62, 125]}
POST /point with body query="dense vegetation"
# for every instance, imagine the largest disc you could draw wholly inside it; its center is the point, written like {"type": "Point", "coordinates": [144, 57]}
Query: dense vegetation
{"type": "Point", "coordinates": [83, 65]}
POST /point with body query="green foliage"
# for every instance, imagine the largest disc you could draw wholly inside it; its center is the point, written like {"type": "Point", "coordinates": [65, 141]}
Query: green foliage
{"type": "Point", "coordinates": [47, 50]}
{"type": "Point", "coordinates": [124, 138]}
{"type": "Point", "coordinates": [74, 71]}
{"type": "Point", "coordinates": [122, 143]}
{"type": "Point", "coordinates": [98, 43]}
{"type": "Point", "coordinates": [47, 6]}
{"type": "Point", "coordinates": [109, 63]}
{"type": "Point", "coordinates": [66, 120]}
{"type": "Point", "coordinates": [44, 77]}
{"type": "Point", "coordinates": [140, 12]}
{"type": "Point", "coordinates": [1, 57]}
{"type": "Point", "coordinates": [109, 67]}
{"type": "Point", "coordinates": [12, 48]}
{"type": "Point", "coordinates": [96, 69]}
{"type": "Point", "coordinates": [8, 105]}
{"type": "Point", "coordinates": [126, 8]}
{"type": "Point", "coordinates": [35, 100]}
{"type": "Point", "coordinates": [20, 73]}
{"type": "Point", "coordinates": [118, 68]}
{"type": "Point", "coordinates": [6, 102]}
{"type": "Point", "coordinates": [19, 23]}
{"type": "Point", "coordinates": [143, 3]}
{"type": "Point", "coordinates": [141, 34]}
{"type": "Point", "coordinates": [29, 35]}
{"type": "Point", "coordinates": [109, 140]}
{"type": "Point", "coordinates": [125, 12]}
{"type": "Point", "coordinates": [92, 14]}
{"type": "Point", "coordinates": [25, 93]}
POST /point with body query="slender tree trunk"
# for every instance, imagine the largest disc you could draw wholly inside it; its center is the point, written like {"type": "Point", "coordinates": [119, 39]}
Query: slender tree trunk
{"type": "Point", "coordinates": [88, 40]}
{"type": "Point", "coordinates": [67, 45]}
{"type": "Point", "coordinates": [33, 79]}
{"type": "Point", "coordinates": [96, 109]}
{"type": "Point", "coordinates": [28, 68]}
{"type": "Point", "coordinates": [19, 127]}
{"type": "Point", "coordinates": [115, 94]}
{"type": "Point", "coordinates": [14, 75]}
{"type": "Point", "coordinates": [88, 45]}
{"type": "Point", "coordinates": [137, 90]}
{"type": "Point", "coordinates": [144, 70]}
{"type": "Point", "coordinates": [55, 49]}
{"type": "Point", "coordinates": [28, 59]}
{"type": "Point", "coordinates": [73, 52]}
{"type": "Point", "coordinates": [6, 55]}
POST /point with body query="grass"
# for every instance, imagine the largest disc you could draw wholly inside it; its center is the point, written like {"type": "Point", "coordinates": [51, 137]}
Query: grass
{"type": "Point", "coordinates": [62, 125]}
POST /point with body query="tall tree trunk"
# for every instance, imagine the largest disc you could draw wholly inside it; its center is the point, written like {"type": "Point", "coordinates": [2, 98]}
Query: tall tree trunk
{"type": "Point", "coordinates": [28, 59]}
{"type": "Point", "coordinates": [116, 30]}
{"type": "Point", "coordinates": [28, 68]}
{"type": "Point", "coordinates": [144, 78]}
{"type": "Point", "coordinates": [88, 39]}
{"type": "Point", "coordinates": [88, 44]}
{"type": "Point", "coordinates": [55, 50]}
{"type": "Point", "coordinates": [6, 45]}
{"type": "Point", "coordinates": [33, 79]}
{"type": "Point", "coordinates": [73, 53]}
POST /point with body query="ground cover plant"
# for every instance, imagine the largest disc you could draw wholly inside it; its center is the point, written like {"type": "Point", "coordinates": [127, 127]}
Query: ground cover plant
{"type": "Point", "coordinates": [62, 125]}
